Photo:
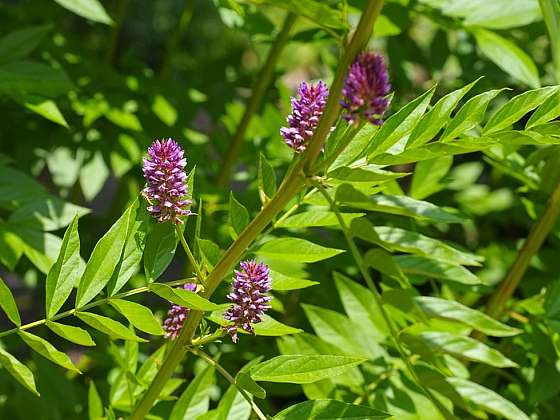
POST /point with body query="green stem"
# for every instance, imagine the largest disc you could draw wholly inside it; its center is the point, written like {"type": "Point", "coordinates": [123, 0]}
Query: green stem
{"type": "Point", "coordinates": [190, 255]}
{"type": "Point", "coordinates": [175, 39]}
{"type": "Point", "coordinates": [290, 187]}
{"type": "Point", "coordinates": [89, 306]}
{"type": "Point", "coordinates": [530, 247]}
{"type": "Point", "coordinates": [259, 89]}
{"type": "Point", "coordinates": [551, 12]}
{"type": "Point", "coordinates": [378, 300]}
{"type": "Point", "coordinates": [230, 379]}
{"type": "Point", "coordinates": [209, 338]}
{"type": "Point", "coordinates": [348, 137]}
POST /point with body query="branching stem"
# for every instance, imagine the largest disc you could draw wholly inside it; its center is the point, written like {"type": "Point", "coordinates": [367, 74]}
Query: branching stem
{"type": "Point", "coordinates": [292, 185]}
{"type": "Point", "coordinates": [378, 300]}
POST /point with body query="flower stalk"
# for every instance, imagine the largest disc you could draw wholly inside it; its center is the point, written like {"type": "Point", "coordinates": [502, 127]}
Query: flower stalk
{"type": "Point", "coordinates": [292, 184]}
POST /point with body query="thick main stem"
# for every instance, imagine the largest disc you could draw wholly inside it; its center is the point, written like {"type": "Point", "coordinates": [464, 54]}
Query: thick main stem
{"type": "Point", "coordinates": [259, 89]}
{"type": "Point", "coordinates": [293, 183]}
{"type": "Point", "coordinates": [378, 301]}
{"type": "Point", "coordinates": [530, 247]}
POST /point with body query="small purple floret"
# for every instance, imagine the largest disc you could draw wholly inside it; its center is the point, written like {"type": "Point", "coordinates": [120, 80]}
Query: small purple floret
{"type": "Point", "coordinates": [176, 316]}
{"type": "Point", "coordinates": [248, 295]}
{"type": "Point", "coordinates": [164, 170]}
{"type": "Point", "coordinates": [305, 115]}
{"type": "Point", "coordinates": [366, 88]}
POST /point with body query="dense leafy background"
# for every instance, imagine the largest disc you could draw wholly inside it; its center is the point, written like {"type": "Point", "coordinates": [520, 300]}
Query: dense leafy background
{"type": "Point", "coordinates": [84, 89]}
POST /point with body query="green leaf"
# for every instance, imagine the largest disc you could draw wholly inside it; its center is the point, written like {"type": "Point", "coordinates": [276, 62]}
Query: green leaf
{"type": "Point", "coordinates": [498, 14]}
{"type": "Point", "coordinates": [138, 315]}
{"type": "Point", "coordinates": [104, 259]}
{"type": "Point", "coordinates": [18, 370]}
{"type": "Point", "coordinates": [302, 369]}
{"type": "Point", "coordinates": [507, 56]}
{"type": "Point", "coordinates": [137, 232]}
{"type": "Point", "coordinates": [183, 297]}
{"type": "Point", "coordinates": [282, 282]}
{"type": "Point", "coordinates": [35, 79]}
{"type": "Point", "coordinates": [64, 273]}
{"type": "Point", "coordinates": [367, 174]}
{"type": "Point", "coordinates": [470, 115]}
{"type": "Point", "coordinates": [450, 309]}
{"type": "Point", "coordinates": [487, 399]}
{"type": "Point", "coordinates": [194, 400]}
{"type": "Point", "coordinates": [160, 249]}
{"type": "Point", "coordinates": [17, 45]}
{"type": "Point", "coordinates": [46, 108]}
{"type": "Point", "coordinates": [244, 381]}
{"type": "Point", "coordinates": [458, 346]}
{"type": "Point", "coordinates": [74, 334]}
{"type": "Point", "coordinates": [547, 111]}
{"type": "Point", "coordinates": [400, 124]}
{"type": "Point", "coordinates": [95, 406]}
{"type": "Point", "coordinates": [428, 175]}
{"type": "Point", "coordinates": [517, 107]}
{"type": "Point", "coordinates": [329, 410]}
{"type": "Point", "coordinates": [296, 250]}
{"type": "Point", "coordinates": [108, 326]}
{"type": "Point", "coordinates": [360, 305]}
{"type": "Point", "coordinates": [317, 218]}
{"type": "Point", "coordinates": [351, 338]}
{"type": "Point", "coordinates": [269, 327]}
{"type": "Point", "coordinates": [316, 11]}
{"type": "Point", "coordinates": [47, 350]}
{"type": "Point", "coordinates": [210, 252]}
{"type": "Point", "coordinates": [398, 239]}
{"type": "Point", "coordinates": [267, 178]}
{"type": "Point", "coordinates": [232, 405]}
{"type": "Point", "coordinates": [89, 9]}
{"type": "Point", "coordinates": [93, 175]}
{"type": "Point", "coordinates": [238, 215]}
{"type": "Point", "coordinates": [382, 261]}
{"type": "Point", "coordinates": [164, 111]}
{"type": "Point", "coordinates": [426, 267]}
{"type": "Point", "coordinates": [437, 117]}
{"type": "Point", "coordinates": [396, 204]}
{"type": "Point", "coordinates": [8, 303]}
{"type": "Point", "coordinates": [51, 213]}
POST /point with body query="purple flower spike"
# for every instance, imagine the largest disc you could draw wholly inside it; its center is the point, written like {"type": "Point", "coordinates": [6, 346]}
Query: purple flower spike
{"type": "Point", "coordinates": [248, 296]}
{"type": "Point", "coordinates": [164, 170]}
{"type": "Point", "coordinates": [305, 115]}
{"type": "Point", "coordinates": [176, 316]}
{"type": "Point", "coordinates": [366, 88]}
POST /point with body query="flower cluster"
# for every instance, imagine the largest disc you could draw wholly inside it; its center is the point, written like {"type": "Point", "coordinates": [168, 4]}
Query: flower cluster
{"type": "Point", "coordinates": [366, 88]}
{"type": "Point", "coordinates": [305, 115]}
{"type": "Point", "coordinates": [248, 295]}
{"type": "Point", "coordinates": [164, 170]}
{"type": "Point", "coordinates": [176, 316]}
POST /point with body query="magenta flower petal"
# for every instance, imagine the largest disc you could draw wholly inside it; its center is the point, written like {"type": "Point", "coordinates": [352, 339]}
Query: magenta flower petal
{"type": "Point", "coordinates": [164, 170]}
{"type": "Point", "coordinates": [176, 316]}
{"type": "Point", "coordinates": [366, 88]}
{"type": "Point", "coordinates": [248, 295]}
{"type": "Point", "coordinates": [306, 111]}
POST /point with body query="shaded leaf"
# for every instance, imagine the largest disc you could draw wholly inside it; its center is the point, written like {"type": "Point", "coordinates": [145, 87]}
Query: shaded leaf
{"type": "Point", "coordinates": [8, 304]}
